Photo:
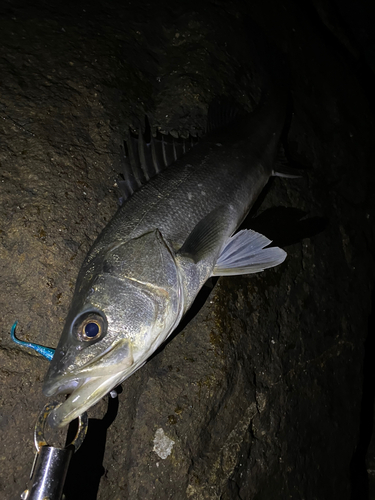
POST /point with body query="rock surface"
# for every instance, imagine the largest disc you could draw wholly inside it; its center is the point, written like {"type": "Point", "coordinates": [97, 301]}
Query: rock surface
{"type": "Point", "coordinates": [259, 395]}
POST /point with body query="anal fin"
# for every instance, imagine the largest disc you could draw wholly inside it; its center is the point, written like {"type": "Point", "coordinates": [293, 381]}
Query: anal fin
{"type": "Point", "coordinates": [282, 167]}
{"type": "Point", "coordinates": [287, 172]}
{"type": "Point", "coordinates": [245, 253]}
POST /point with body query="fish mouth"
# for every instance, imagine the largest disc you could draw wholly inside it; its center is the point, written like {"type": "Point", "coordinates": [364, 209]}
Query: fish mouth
{"type": "Point", "coordinates": [89, 383]}
{"type": "Point", "coordinates": [87, 392]}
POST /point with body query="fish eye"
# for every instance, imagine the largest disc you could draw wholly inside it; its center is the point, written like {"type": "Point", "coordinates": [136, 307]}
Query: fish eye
{"type": "Point", "coordinates": [90, 326]}
{"type": "Point", "coordinates": [91, 330]}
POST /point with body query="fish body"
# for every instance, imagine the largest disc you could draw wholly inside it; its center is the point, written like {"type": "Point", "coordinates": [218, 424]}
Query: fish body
{"type": "Point", "coordinates": [147, 266]}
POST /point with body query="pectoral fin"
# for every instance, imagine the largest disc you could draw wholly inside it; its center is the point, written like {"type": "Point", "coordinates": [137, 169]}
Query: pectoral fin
{"type": "Point", "coordinates": [208, 234]}
{"type": "Point", "coordinates": [244, 253]}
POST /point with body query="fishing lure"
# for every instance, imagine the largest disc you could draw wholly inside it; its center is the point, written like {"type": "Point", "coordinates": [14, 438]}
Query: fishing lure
{"type": "Point", "coordinates": [46, 352]}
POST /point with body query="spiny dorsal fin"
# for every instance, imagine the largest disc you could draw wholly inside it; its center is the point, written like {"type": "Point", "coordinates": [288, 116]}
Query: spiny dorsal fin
{"type": "Point", "coordinates": [221, 113]}
{"type": "Point", "coordinates": [146, 155]}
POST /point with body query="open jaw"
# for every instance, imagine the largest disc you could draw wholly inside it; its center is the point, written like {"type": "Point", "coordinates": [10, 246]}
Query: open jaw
{"type": "Point", "coordinates": [87, 392]}
{"type": "Point", "coordinates": [87, 384]}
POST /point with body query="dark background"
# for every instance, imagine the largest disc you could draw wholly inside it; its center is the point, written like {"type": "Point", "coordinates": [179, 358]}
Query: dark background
{"type": "Point", "coordinates": [268, 391]}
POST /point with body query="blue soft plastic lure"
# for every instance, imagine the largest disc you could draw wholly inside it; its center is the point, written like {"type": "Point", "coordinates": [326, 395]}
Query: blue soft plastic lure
{"type": "Point", "coordinates": [47, 352]}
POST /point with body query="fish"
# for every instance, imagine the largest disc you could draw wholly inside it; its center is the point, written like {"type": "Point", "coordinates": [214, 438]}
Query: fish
{"type": "Point", "coordinates": [176, 229]}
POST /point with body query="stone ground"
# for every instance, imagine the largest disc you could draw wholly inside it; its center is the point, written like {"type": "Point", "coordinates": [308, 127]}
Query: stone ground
{"type": "Point", "coordinates": [262, 391]}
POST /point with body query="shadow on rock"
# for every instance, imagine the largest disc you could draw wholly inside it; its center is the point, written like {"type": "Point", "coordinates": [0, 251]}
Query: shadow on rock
{"type": "Point", "coordinates": [286, 225]}
{"type": "Point", "coordinates": [363, 484]}
{"type": "Point", "coordinates": [86, 468]}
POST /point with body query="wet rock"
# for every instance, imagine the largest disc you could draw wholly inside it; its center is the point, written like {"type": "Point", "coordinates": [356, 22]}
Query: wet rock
{"type": "Point", "coordinates": [259, 395]}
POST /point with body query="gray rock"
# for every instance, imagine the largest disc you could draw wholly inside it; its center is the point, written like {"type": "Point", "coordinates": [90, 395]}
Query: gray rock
{"type": "Point", "coordinates": [259, 395]}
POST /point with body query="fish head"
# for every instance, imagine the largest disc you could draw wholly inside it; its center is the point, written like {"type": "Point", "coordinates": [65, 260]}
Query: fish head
{"type": "Point", "coordinates": [126, 303]}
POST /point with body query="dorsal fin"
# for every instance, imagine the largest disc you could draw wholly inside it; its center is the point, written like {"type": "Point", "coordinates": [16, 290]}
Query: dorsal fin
{"type": "Point", "coordinates": [222, 112]}
{"type": "Point", "coordinates": [146, 155]}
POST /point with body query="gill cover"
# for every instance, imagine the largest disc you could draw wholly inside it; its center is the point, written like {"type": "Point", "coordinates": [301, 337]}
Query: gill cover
{"type": "Point", "coordinates": [126, 304]}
